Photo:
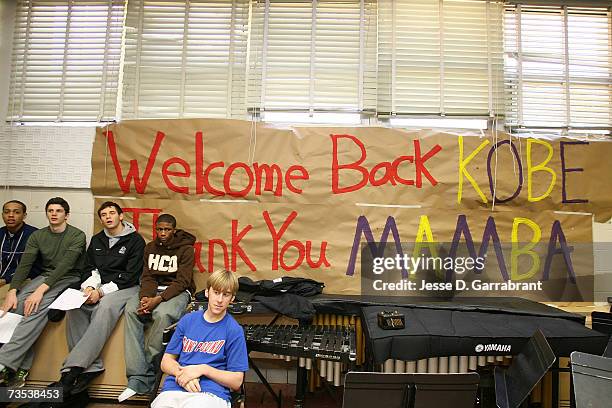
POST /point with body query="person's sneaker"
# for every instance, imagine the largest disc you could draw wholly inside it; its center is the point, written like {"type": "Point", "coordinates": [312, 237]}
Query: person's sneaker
{"type": "Point", "coordinates": [83, 380]}
{"type": "Point", "coordinates": [69, 379]}
{"type": "Point", "coordinates": [126, 394]}
{"type": "Point", "coordinates": [19, 380]}
{"type": "Point", "coordinates": [6, 375]}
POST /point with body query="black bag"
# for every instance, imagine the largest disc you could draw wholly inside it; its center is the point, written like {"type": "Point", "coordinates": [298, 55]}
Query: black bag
{"type": "Point", "coordinates": [287, 284]}
{"type": "Point", "coordinates": [294, 306]}
{"type": "Point", "coordinates": [286, 295]}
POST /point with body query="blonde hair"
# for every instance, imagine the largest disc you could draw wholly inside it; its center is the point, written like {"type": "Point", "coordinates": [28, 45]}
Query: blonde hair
{"type": "Point", "coordinates": [223, 281]}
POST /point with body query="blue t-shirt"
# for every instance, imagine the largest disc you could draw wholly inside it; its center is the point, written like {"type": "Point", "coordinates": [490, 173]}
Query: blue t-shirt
{"type": "Point", "coordinates": [220, 345]}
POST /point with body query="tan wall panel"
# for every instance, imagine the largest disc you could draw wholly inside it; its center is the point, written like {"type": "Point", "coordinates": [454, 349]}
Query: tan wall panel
{"type": "Point", "coordinates": [51, 350]}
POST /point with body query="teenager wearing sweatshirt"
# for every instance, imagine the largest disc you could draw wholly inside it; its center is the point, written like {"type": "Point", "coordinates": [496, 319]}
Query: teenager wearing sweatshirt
{"type": "Point", "coordinates": [165, 290]}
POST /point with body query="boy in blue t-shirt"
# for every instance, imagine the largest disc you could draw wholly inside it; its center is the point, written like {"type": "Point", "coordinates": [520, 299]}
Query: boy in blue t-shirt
{"type": "Point", "coordinates": [207, 356]}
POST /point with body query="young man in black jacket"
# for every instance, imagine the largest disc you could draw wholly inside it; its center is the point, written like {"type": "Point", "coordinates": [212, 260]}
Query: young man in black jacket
{"type": "Point", "coordinates": [111, 277]}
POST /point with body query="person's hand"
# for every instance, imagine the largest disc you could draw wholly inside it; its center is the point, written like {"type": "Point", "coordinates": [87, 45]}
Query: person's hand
{"type": "Point", "coordinates": [93, 296]}
{"type": "Point", "coordinates": [147, 304]}
{"type": "Point", "coordinates": [193, 386]}
{"type": "Point", "coordinates": [188, 373]}
{"type": "Point", "coordinates": [10, 302]}
{"type": "Point", "coordinates": [30, 306]}
{"type": "Point", "coordinates": [141, 310]}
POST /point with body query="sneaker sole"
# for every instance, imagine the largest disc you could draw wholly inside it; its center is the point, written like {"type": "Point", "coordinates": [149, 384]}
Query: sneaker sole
{"type": "Point", "coordinates": [17, 384]}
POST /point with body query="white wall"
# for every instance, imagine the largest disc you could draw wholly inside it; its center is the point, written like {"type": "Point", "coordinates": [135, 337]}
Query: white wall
{"type": "Point", "coordinates": [80, 200]}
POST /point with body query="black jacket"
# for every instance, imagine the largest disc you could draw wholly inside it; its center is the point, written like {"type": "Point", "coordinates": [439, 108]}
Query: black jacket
{"type": "Point", "coordinates": [121, 264]}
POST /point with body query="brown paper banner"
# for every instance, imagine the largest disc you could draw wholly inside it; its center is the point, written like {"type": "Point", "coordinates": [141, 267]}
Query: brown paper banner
{"type": "Point", "coordinates": [323, 242]}
{"type": "Point", "coordinates": [239, 160]}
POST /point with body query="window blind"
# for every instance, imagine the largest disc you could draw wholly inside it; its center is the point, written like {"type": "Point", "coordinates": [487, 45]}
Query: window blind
{"type": "Point", "coordinates": [65, 60]}
{"type": "Point", "coordinates": [185, 59]}
{"type": "Point", "coordinates": [542, 66]}
{"type": "Point", "coordinates": [440, 57]}
{"type": "Point", "coordinates": [312, 55]}
{"type": "Point", "coordinates": [558, 66]}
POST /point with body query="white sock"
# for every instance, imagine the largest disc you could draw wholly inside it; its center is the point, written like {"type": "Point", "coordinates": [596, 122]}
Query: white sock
{"type": "Point", "coordinates": [126, 394]}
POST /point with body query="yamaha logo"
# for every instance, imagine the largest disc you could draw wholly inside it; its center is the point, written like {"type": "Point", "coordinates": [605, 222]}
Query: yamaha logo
{"type": "Point", "coordinates": [504, 348]}
{"type": "Point", "coordinates": [327, 356]}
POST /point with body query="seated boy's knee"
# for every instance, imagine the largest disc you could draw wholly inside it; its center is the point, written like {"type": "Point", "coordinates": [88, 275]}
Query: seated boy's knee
{"type": "Point", "coordinates": [158, 314]}
{"type": "Point", "coordinates": [163, 318]}
{"type": "Point", "coordinates": [108, 308]}
{"type": "Point", "coordinates": [131, 307]}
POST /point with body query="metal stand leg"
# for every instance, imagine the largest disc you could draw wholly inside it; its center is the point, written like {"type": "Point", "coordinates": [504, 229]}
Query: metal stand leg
{"type": "Point", "coordinates": [300, 386]}
{"type": "Point", "coordinates": [555, 384]}
{"type": "Point", "coordinates": [572, 396]}
{"type": "Point", "coordinates": [264, 381]}
{"type": "Point", "coordinates": [301, 383]}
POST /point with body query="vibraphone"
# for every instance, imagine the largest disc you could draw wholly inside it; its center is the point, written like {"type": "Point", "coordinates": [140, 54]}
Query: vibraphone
{"type": "Point", "coordinates": [335, 347]}
{"type": "Point", "coordinates": [443, 340]}
{"type": "Point", "coordinates": [454, 343]}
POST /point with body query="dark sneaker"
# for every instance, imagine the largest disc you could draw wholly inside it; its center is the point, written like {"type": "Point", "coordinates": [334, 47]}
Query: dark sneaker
{"type": "Point", "coordinates": [69, 379]}
{"type": "Point", "coordinates": [6, 376]}
{"type": "Point", "coordinates": [83, 381]}
{"type": "Point", "coordinates": [19, 380]}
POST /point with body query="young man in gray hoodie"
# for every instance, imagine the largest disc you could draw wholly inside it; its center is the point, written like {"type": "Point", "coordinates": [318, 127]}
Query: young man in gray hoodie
{"type": "Point", "coordinates": [110, 278]}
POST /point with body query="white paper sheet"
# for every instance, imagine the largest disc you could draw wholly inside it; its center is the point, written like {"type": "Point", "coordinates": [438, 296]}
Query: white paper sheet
{"type": "Point", "coordinates": [69, 299]}
{"type": "Point", "coordinates": [7, 326]}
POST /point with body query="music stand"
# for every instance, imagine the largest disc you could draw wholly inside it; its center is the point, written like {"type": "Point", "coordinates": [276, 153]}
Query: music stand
{"type": "Point", "coordinates": [592, 377]}
{"type": "Point", "coordinates": [514, 384]}
{"type": "Point", "coordinates": [398, 390]}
